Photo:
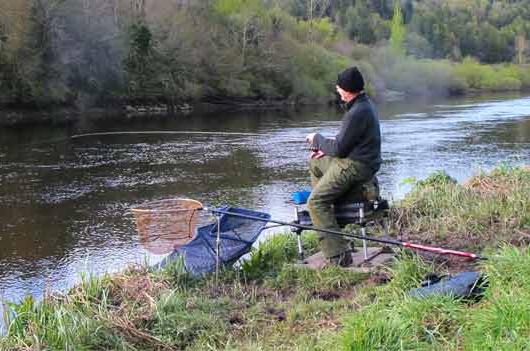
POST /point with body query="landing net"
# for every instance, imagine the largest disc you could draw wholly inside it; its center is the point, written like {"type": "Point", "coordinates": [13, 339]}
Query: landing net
{"type": "Point", "coordinates": [167, 225]}
{"type": "Point", "coordinates": [236, 237]}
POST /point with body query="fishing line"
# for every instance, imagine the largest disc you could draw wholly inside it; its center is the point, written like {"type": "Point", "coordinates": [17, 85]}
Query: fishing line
{"type": "Point", "coordinates": [144, 132]}
{"type": "Point", "coordinates": [161, 132]}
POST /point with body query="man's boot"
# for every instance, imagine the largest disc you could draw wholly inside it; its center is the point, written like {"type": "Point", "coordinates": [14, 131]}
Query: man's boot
{"type": "Point", "coordinates": [343, 260]}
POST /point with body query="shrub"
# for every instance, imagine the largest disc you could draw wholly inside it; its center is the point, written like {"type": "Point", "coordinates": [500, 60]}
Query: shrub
{"type": "Point", "coordinates": [490, 78]}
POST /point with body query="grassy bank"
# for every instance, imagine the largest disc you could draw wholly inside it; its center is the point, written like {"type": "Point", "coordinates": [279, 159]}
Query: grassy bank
{"type": "Point", "coordinates": [271, 305]}
{"type": "Point", "coordinates": [395, 321]}
{"type": "Point", "coordinates": [266, 305]}
{"type": "Point", "coordinates": [483, 211]}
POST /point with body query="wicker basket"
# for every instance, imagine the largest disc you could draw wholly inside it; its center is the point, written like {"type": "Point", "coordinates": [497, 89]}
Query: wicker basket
{"type": "Point", "coordinates": [166, 225]}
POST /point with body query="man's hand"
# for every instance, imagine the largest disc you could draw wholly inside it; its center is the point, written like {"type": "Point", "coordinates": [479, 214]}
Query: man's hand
{"type": "Point", "coordinates": [309, 138]}
{"type": "Point", "coordinates": [317, 154]}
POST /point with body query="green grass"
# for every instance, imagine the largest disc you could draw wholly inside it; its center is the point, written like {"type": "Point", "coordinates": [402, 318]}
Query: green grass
{"type": "Point", "coordinates": [270, 256]}
{"type": "Point", "coordinates": [500, 321]}
{"type": "Point", "coordinates": [268, 303]}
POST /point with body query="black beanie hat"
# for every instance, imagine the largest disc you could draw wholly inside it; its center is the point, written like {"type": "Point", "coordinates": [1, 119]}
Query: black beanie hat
{"type": "Point", "coordinates": [351, 80]}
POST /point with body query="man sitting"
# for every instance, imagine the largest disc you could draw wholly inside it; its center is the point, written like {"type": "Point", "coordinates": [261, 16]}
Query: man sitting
{"type": "Point", "coordinates": [347, 161]}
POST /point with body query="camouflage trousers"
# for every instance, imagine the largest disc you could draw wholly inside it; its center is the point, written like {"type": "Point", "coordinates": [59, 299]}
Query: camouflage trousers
{"type": "Point", "coordinates": [333, 179]}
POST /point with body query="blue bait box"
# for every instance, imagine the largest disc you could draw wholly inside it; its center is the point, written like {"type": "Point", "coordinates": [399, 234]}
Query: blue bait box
{"type": "Point", "coordinates": [300, 197]}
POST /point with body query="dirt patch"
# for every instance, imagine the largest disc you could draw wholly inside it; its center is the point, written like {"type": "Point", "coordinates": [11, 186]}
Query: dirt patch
{"type": "Point", "coordinates": [326, 295]}
{"type": "Point", "coordinates": [520, 238]}
{"type": "Point", "coordinates": [278, 313]}
{"type": "Point", "coordinates": [454, 265]}
{"type": "Point", "coordinates": [468, 242]}
{"type": "Point", "coordinates": [329, 323]}
{"type": "Point", "coordinates": [282, 294]}
{"type": "Point", "coordinates": [457, 241]}
{"type": "Point", "coordinates": [378, 278]}
{"type": "Point", "coordinates": [237, 319]}
{"type": "Point", "coordinates": [450, 263]}
{"type": "Point", "coordinates": [252, 290]}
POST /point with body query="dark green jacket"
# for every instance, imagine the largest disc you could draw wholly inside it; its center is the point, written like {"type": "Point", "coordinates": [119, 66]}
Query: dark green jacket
{"type": "Point", "coordinates": [360, 135]}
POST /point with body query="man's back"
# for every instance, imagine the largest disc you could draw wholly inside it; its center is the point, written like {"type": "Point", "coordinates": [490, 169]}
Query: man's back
{"type": "Point", "coordinates": [359, 137]}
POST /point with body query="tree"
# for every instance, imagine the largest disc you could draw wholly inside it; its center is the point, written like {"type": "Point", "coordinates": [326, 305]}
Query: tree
{"type": "Point", "coordinates": [361, 24]}
{"type": "Point", "coordinates": [520, 48]}
{"type": "Point", "coordinates": [246, 17]}
{"type": "Point", "coordinates": [140, 63]}
{"type": "Point", "coordinates": [398, 31]}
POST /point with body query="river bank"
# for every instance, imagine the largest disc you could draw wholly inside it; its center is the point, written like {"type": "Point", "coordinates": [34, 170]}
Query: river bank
{"type": "Point", "coordinates": [22, 116]}
{"type": "Point", "coordinates": [270, 304]}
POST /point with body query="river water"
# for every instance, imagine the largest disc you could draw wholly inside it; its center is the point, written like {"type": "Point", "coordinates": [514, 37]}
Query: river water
{"type": "Point", "coordinates": [64, 203]}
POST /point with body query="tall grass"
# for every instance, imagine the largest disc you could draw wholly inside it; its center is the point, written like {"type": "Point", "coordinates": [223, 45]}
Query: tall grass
{"type": "Point", "coordinates": [486, 209]}
{"type": "Point", "coordinates": [68, 322]}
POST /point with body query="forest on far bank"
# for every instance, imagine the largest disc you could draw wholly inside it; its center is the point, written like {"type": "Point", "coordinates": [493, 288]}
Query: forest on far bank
{"type": "Point", "coordinates": [87, 53]}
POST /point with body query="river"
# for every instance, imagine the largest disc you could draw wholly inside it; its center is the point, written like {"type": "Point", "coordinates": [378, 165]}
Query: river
{"type": "Point", "coordinates": [64, 203]}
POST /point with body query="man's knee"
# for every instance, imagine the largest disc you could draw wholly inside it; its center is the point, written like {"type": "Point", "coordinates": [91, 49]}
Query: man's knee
{"type": "Point", "coordinates": [315, 202]}
{"type": "Point", "coordinates": [319, 166]}
{"type": "Point", "coordinates": [313, 168]}
{"type": "Point", "coordinates": [314, 162]}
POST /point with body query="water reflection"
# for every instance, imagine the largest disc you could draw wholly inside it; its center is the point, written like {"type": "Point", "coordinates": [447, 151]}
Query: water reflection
{"type": "Point", "coordinates": [65, 205]}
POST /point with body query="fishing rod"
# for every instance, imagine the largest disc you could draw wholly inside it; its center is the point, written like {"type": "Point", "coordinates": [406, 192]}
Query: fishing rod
{"type": "Point", "coordinates": [407, 245]}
